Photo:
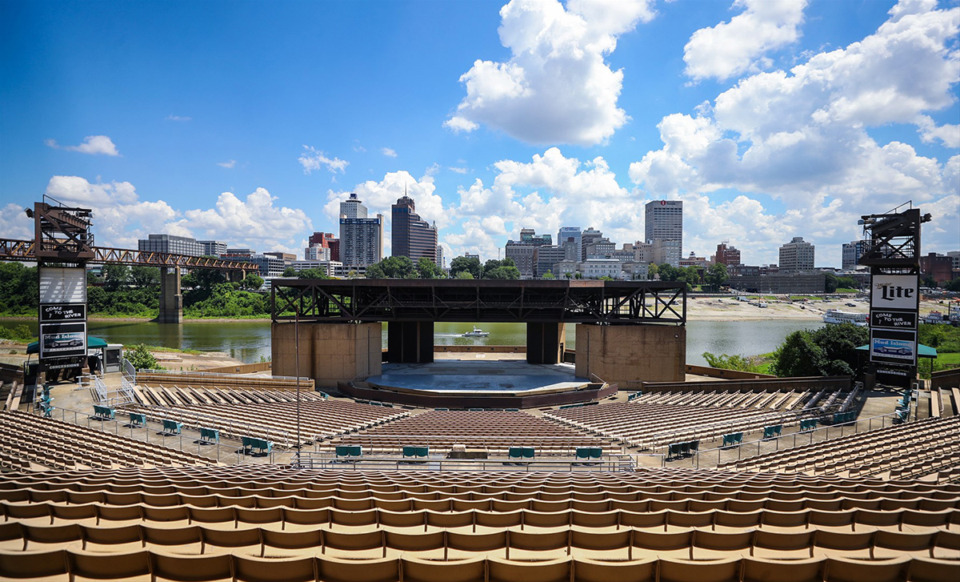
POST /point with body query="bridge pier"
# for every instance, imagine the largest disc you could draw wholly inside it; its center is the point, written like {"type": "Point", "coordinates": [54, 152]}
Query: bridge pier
{"type": "Point", "coordinates": [171, 299]}
{"type": "Point", "coordinates": [410, 342]}
{"type": "Point", "coordinates": [329, 352]}
{"type": "Point", "coordinates": [630, 354]}
{"type": "Point", "coordinates": [545, 343]}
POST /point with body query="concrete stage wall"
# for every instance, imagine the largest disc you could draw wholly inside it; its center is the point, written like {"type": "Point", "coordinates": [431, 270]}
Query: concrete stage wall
{"type": "Point", "coordinates": [329, 352]}
{"type": "Point", "coordinates": [628, 355]}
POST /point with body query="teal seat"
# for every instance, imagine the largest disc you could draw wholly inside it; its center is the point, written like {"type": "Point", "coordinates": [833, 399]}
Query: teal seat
{"type": "Point", "coordinates": [521, 453]}
{"type": "Point", "coordinates": [674, 451]}
{"type": "Point", "coordinates": [732, 439]}
{"type": "Point", "coordinates": [137, 419]}
{"type": "Point", "coordinates": [172, 426]}
{"type": "Point", "coordinates": [209, 435]}
{"type": "Point", "coordinates": [414, 451]}
{"type": "Point", "coordinates": [694, 446]}
{"type": "Point", "coordinates": [589, 453]}
{"type": "Point", "coordinates": [104, 412]}
{"type": "Point", "coordinates": [349, 451]}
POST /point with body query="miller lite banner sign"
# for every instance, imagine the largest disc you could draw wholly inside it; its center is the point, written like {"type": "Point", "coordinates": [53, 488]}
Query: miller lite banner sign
{"type": "Point", "coordinates": [895, 292]}
{"type": "Point", "coordinates": [894, 306]}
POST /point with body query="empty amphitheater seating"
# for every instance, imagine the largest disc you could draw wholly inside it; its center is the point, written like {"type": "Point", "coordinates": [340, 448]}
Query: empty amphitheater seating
{"type": "Point", "coordinates": [495, 431]}
{"type": "Point", "coordinates": [276, 422]}
{"type": "Point", "coordinates": [652, 425]}
{"type": "Point", "coordinates": [278, 523]}
{"type": "Point", "coordinates": [31, 442]}
{"type": "Point", "coordinates": [911, 450]}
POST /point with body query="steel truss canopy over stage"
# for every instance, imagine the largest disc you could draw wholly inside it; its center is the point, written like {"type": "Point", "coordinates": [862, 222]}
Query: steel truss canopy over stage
{"type": "Point", "coordinates": [466, 300]}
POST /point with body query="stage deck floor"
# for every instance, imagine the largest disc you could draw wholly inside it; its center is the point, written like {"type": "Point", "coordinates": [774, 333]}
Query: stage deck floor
{"type": "Point", "coordinates": [491, 376]}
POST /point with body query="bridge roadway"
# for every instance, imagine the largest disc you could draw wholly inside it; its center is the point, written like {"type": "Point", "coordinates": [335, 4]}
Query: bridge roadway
{"type": "Point", "coordinates": [25, 250]}
{"type": "Point", "coordinates": [171, 300]}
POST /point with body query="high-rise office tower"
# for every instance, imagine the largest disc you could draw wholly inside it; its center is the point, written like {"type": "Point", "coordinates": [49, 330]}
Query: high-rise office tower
{"type": "Point", "coordinates": [587, 238]}
{"type": "Point", "coordinates": [361, 238]}
{"type": "Point", "coordinates": [411, 236]}
{"type": "Point", "coordinates": [571, 241]}
{"type": "Point", "coordinates": [796, 256]}
{"type": "Point", "coordinates": [663, 220]}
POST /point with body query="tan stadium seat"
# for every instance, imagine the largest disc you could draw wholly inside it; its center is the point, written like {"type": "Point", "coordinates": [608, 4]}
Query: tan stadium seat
{"type": "Point", "coordinates": [847, 570]}
{"type": "Point", "coordinates": [421, 545]}
{"type": "Point", "coordinates": [676, 544]}
{"type": "Point", "coordinates": [37, 566]}
{"type": "Point", "coordinates": [38, 537]}
{"type": "Point", "coordinates": [891, 544]}
{"type": "Point", "coordinates": [847, 544]}
{"type": "Point", "coordinates": [287, 543]}
{"type": "Point", "coordinates": [933, 570]}
{"type": "Point", "coordinates": [251, 569]}
{"type": "Point", "coordinates": [112, 539]}
{"type": "Point", "coordinates": [130, 566]}
{"type": "Point", "coordinates": [116, 515]}
{"type": "Point", "coordinates": [795, 545]}
{"type": "Point", "coordinates": [765, 570]}
{"type": "Point", "coordinates": [11, 536]}
{"type": "Point", "coordinates": [247, 542]}
{"type": "Point", "coordinates": [470, 545]}
{"type": "Point", "coordinates": [716, 545]}
{"type": "Point", "coordinates": [379, 570]}
{"type": "Point", "coordinates": [363, 545]}
{"type": "Point", "coordinates": [727, 570]}
{"type": "Point", "coordinates": [209, 568]}
{"type": "Point", "coordinates": [170, 540]}
{"type": "Point", "coordinates": [601, 545]}
{"type": "Point", "coordinates": [587, 570]}
{"type": "Point", "coordinates": [515, 571]}
{"type": "Point", "coordinates": [418, 570]}
{"type": "Point", "coordinates": [524, 545]}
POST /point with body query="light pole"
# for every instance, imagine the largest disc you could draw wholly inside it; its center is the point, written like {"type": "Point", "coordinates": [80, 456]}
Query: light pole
{"type": "Point", "coordinates": [296, 332]}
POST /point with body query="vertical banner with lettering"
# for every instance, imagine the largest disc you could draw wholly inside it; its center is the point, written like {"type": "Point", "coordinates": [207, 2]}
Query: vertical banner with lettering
{"type": "Point", "coordinates": [63, 315]}
{"type": "Point", "coordinates": [894, 308]}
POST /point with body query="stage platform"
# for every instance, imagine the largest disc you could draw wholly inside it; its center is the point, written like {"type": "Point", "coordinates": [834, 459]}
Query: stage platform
{"type": "Point", "coordinates": [506, 383]}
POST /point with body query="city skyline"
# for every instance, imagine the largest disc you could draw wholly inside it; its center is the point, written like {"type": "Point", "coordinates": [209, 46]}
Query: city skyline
{"type": "Point", "coordinates": [833, 110]}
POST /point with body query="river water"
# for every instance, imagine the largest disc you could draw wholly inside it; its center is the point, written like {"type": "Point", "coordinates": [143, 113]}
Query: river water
{"type": "Point", "coordinates": [249, 340]}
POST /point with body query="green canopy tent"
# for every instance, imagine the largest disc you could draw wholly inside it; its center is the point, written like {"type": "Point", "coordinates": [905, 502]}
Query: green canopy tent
{"type": "Point", "coordinates": [93, 343]}
{"type": "Point", "coordinates": [922, 352]}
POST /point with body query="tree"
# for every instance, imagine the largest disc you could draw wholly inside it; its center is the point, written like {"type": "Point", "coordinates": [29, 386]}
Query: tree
{"type": "Point", "coordinates": [652, 271]}
{"type": "Point", "coordinates": [252, 282]}
{"type": "Point", "coordinates": [466, 264]}
{"type": "Point", "coordinates": [953, 285]}
{"type": "Point", "coordinates": [828, 351]}
{"type": "Point", "coordinates": [143, 277]}
{"type": "Point", "coordinates": [716, 276]}
{"type": "Point", "coordinates": [548, 276]}
{"type": "Point", "coordinates": [312, 274]}
{"type": "Point", "coordinates": [427, 269]}
{"type": "Point", "coordinates": [392, 268]}
{"type": "Point", "coordinates": [141, 358]}
{"type": "Point", "coordinates": [464, 275]}
{"type": "Point", "coordinates": [289, 272]}
{"type": "Point", "coordinates": [503, 269]}
{"type": "Point", "coordinates": [115, 276]}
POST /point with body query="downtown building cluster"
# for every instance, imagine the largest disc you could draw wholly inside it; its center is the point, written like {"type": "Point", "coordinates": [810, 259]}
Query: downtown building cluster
{"type": "Point", "coordinates": [575, 253]}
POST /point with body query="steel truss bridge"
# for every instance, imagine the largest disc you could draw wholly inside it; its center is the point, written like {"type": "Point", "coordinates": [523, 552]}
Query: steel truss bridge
{"type": "Point", "coordinates": [465, 300]}
{"type": "Point", "coordinates": [25, 250]}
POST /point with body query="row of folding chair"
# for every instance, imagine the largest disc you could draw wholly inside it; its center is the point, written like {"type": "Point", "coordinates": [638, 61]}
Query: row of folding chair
{"type": "Point", "coordinates": [287, 517]}
{"type": "Point", "coordinates": [624, 544]}
{"type": "Point", "coordinates": [146, 565]}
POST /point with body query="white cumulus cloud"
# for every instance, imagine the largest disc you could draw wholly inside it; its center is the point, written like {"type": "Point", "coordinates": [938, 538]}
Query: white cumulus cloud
{"type": "Point", "coordinates": [313, 159]}
{"type": "Point", "coordinates": [92, 144]}
{"type": "Point", "coordinates": [389, 152]}
{"type": "Point", "coordinates": [731, 48]}
{"type": "Point", "coordinates": [802, 137]}
{"type": "Point", "coordinates": [556, 87]}
{"type": "Point", "coordinates": [253, 221]}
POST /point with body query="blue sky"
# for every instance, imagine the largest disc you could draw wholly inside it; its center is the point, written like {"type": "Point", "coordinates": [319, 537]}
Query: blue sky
{"type": "Point", "coordinates": [247, 122]}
